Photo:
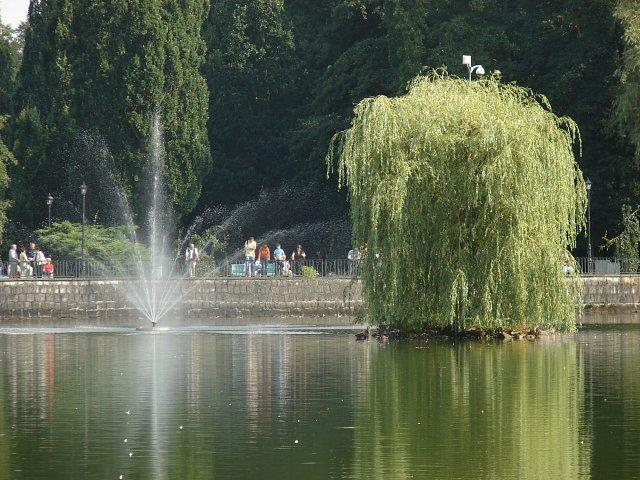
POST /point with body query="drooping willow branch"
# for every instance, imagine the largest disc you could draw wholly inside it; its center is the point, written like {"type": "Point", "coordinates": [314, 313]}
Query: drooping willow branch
{"type": "Point", "coordinates": [466, 196]}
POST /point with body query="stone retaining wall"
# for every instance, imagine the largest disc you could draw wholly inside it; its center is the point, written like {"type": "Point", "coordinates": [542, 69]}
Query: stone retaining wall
{"type": "Point", "coordinates": [200, 298]}
{"type": "Point", "coordinates": [242, 297]}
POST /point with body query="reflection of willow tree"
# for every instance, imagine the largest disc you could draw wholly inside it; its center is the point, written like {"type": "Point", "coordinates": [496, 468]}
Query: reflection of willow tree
{"type": "Point", "coordinates": [470, 193]}
{"type": "Point", "coordinates": [613, 402]}
{"type": "Point", "coordinates": [473, 411]}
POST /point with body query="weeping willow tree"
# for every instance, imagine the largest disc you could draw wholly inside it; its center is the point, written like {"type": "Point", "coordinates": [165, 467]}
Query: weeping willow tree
{"type": "Point", "coordinates": [465, 197]}
{"type": "Point", "coordinates": [628, 100]}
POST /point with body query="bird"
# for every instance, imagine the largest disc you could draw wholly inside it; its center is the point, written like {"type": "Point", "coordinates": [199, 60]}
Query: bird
{"type": "Point", "coordinates": [364, 335]}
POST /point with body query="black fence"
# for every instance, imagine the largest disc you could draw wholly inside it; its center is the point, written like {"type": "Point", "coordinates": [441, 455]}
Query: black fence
{"type": "Point", "coordinates": [598, 266]}
{"type": "Point", "coordinates": [209, 268]}
{"type": "Point", "coordinates": [206, 268]}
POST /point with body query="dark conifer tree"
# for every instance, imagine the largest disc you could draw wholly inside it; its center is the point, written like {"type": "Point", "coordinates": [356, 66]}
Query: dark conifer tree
{"type": "Point", "coordinates": [104, 68]}
{"type": "Point", "coordinates": [250, 73]}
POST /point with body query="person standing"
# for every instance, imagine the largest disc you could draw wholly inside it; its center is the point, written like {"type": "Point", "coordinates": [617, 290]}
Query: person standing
{"type": "Point", "coordinates": [191, 257]}
{"type": "Point", "coordinates": [279, 258]}
{"type": "Point", "coordinates": [26, 270]}
{"type": "Point", "coordinates": [249, 256]}
{"type": "Point", "coordinates": [264, 256]}
{"type": "Point", "coordinates": [40, 260]}
{"type": "Point", "coordinates": [297, 259]}
{"type": "Point", "coordinates": [12, 268]}
{"type": "Point", "coordinates": [353, 258]}
{"type": "Point", "coordinates": [31, 255]}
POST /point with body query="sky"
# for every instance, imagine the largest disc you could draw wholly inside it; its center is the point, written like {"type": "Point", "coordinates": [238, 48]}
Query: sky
{"type": "Point", "coordinates": [13, 12]}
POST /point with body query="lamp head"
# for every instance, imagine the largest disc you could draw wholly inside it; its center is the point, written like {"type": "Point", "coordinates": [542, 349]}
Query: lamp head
{"type": "Point", "coordinates": [49, 200]}
{"type": "Point", "coordinates": [480, 70]}
{"type": "Point", "coordinates": [83, 189]}
{"type": "Point", "coordinates": [466, 60]}
{"type": "Point", "coordinates": [588, 184]}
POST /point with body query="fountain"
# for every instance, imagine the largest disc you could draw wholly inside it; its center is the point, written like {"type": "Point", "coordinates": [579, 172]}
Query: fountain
{"type": "Point", "coordinates": [156, 288]}
{"type": "Point", "coordinates": [159, 289]}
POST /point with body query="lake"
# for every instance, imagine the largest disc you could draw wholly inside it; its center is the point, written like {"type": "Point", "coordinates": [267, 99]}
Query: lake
{"type": "Point", "coordinates": [312, 403]}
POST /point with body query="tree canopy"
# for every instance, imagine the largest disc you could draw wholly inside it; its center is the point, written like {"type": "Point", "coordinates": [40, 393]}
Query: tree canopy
{"type": "Point", "coordinates": [251, 92]}
{"type": "Point", "coordinates": [466, 196]}
{"type": "Point", "coordinates": [6, 160]}
{"type": "Point", "coordinates": [106, 67]}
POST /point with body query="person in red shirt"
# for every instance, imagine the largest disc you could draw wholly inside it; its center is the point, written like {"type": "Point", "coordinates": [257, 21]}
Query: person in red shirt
{"type": "Point", "coordinates": [264, 255]}
{"type": "Point", "coordinates": [48, 268]}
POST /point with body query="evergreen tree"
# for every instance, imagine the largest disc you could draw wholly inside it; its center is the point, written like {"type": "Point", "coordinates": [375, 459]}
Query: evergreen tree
{"type": "Point", "coordinates": [249, 71]}
{"type": "Point", "coordinates": [9, 61]}
{"type": "Point", "coordinates": [6, 159]}
{"type": "Point", "coordinates": [106, 67]}
{"type": "Point", "coordinates": [9, 64]}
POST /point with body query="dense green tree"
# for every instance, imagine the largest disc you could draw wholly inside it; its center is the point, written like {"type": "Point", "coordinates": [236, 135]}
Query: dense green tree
{"type": "Point", "coordinates": [466, 218]}
{"type": "Point", "coordinates": [249, 70]}
{"type": "Point", "coordinates": [10, 53]}
{"type": "Point", "coordinates": [628, 101]}
{"type": "Point", "coordinates": [626, 244]}
{"type": "Point", "coordinates": [566, 50]}
{"type": "Point", "coordinates": [6, 159]}
{"type": "Point", "coordinates": [106, 67]}
{"type": "Point", "coordinates": [283, 76]}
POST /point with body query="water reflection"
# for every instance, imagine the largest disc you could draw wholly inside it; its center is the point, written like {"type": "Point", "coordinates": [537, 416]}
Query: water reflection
{"type": "Point", "coordinates": [473, 410]}
{"type": "Point", "coordinates": [566, 407]}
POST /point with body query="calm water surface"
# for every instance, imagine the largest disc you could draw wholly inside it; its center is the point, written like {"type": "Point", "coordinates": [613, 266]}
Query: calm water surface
{"type": "Point", "coordinates": [273, 404]}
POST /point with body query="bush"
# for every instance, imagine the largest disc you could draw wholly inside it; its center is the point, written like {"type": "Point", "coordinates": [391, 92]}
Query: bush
{"type": "Point", "coordinates": [309, 272]}
{"type": "Point", "coordinates": [107, 245]}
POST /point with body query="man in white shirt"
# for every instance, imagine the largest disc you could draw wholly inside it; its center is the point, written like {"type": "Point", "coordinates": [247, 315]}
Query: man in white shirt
{"type": "Point", "coordinates": [12, 269]}
{"type": "Point", "coordinates": [191, 257]}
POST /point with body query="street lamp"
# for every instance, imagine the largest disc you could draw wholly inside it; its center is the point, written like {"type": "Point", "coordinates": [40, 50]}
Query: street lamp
{"type": "Point", "coordinates": [83, 191]}
{"type": "Point", "coordinates": [478, 69]}
{"type": "Point", "coordinates": [588, 184]}
{"type": "Point", "coordinates": [49, 203]}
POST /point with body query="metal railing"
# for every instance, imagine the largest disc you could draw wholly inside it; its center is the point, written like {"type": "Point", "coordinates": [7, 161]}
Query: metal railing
{"type": "Point", "coordinates": [597, 266]}
{"type": "Point", "coordinates": [205, 268]}
{"type": "Point", "coordinates": [209, 268]}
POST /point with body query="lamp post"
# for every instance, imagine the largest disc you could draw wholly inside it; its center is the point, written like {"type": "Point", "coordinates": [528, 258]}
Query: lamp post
{"type": "Point", "coordinates": [49, 203]}
{"type": "Point", "coordinates": [478, 69]}
{"type": "Point", "coordinates": [83, 191]}
{"type": "Point", "coordinates": [588, 184]}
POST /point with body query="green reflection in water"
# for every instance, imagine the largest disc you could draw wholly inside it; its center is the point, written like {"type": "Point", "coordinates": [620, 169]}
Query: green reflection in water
{"type": "Point", "coordinates": [564, 407]}
{"type": "Point", "coordinates": [472, 411]}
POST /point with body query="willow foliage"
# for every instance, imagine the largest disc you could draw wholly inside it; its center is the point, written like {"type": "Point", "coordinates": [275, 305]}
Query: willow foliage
{"type": "Point", "coordinates": [466, 196]}
{"type": "Point", "coordinates": [628, 101]}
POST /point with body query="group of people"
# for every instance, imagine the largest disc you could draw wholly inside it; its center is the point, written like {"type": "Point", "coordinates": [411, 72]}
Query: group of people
{"type": "Point", "coordinates": [28, 262]}
{"type": "Point", "coordinates": [258, 258]}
